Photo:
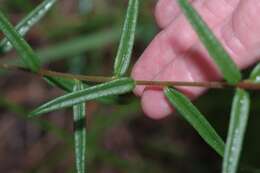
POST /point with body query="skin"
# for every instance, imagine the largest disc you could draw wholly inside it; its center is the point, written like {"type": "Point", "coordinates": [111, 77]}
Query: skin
{"type": "Point", "coordinates": [176, 54]}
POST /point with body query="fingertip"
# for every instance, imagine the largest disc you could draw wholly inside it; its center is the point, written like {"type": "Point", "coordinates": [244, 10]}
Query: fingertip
{"type": "Point", "coordinates": [155, 105]}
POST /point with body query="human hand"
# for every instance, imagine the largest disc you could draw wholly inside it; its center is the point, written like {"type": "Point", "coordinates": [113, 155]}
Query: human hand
{"type": "Point", "coordinates": [176, 54]}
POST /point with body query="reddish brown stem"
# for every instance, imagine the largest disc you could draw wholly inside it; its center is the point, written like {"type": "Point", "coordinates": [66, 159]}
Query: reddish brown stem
{"type": "Point", "coordinates": [98, 79]}
{"type": "Point", "coordinates": [216, 85]}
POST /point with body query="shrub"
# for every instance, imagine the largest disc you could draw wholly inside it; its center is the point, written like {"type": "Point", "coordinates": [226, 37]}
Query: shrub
{"type": "Point", "coordinates": [118, 84]}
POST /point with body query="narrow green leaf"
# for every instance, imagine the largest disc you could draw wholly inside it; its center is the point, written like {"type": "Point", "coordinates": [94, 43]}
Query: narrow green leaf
{"type": "Point", "coordinates": [255, 75]}
{"type": "Point", "coordinates": [236, 132]}
{"type": "Point", "coordinates": [226, 65]}
{"type": "Point", "coordinates": [27, 54]}
{"type": "Point", "coordinates": [127, 39]}
{"type": "Point", "coordinates": [79, 117]}
{"type": "Point", "coordinates": [28, 22]}
{"type": "Point", "coordinates": [31, 60]}
{"type": "Point", "coordinates": [116, 87]}
{"type": "Point", "coordinates": [23, 49]}
{"type": "Point", "coordinates": [65, 84]}
{"type": "Point", "coordinates": [191, 114]}
{"type": "Point", "coordinates": [68, 84]}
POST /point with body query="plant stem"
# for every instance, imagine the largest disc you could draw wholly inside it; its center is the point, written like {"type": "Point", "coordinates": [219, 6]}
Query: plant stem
{"type": "Point", "coordinates": [95, 79]}
{"type": "Point", "coordinates": [99, 79]}
{"type": "Point", "coordinates": [216, 85]}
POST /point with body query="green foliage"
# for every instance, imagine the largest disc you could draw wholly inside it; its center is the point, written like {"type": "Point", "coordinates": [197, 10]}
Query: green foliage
{"type": "Point", "coordinates": [191, 114]}
{"type": "Point", "coordinates": [228, 68]}
{"type": "Point", "coordinates": [68, 84]}
{"type": "Point", "coordinates": [236, 132]}
{"type": "Point", "coordinates": [23, 49]}
{"type": "Point", "coordinates": [80, 93]}
{"type": "Point", "coordinates": [28, 56]}
{"type": "Point", "coordinates": [79, 117]}
{"type": "Point", "coordinates": [28, 22]}
{"type": "Point", "coordinates": [116, 87]}
{"type": "Point", "coordinates": [65, 84]}
{"type": "Point", "coordinates": [31, 59]}
{"type": "Point", "coordinates": [255, 75]}
{"type": "Point", "coordinates": [124, 53]}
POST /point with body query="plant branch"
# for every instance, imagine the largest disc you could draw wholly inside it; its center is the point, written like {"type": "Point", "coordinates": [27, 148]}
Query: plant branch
{"type": "Point", "coordinates": [99, 79]}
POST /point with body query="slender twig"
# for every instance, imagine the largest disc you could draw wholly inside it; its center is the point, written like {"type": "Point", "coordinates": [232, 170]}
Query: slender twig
{"type": "Point", "coordinates": [98, 79]}
{"type": "Point", "coordinates": [44, 72]}
{"type": "Point", "coordinates": [216, 85]}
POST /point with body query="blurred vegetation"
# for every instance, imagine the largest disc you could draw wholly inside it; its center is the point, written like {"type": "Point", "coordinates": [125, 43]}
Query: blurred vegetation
{"type": "Point", "coordinates": [81, 36]}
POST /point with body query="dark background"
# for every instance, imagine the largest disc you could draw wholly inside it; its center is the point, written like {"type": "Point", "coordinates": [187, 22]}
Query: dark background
{"type": "Point", "coordinates": [81, 36]}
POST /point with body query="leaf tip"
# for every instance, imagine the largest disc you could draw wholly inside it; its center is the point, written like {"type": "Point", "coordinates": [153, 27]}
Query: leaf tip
{"type": "Point", "coordinates": [34, 113]}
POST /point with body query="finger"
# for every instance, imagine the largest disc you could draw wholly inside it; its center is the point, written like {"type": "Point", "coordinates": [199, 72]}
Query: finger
{"type": "Point", "coordinates": [196, 65]}
{"type": "Point", "coordinates": [166, 11]}
{"type": "Point", "coordinates": [174, 40]}
{"type": "Point", "coordinates": [246, 23]}
{"type": "Point", "coordinates": [154, 102]}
